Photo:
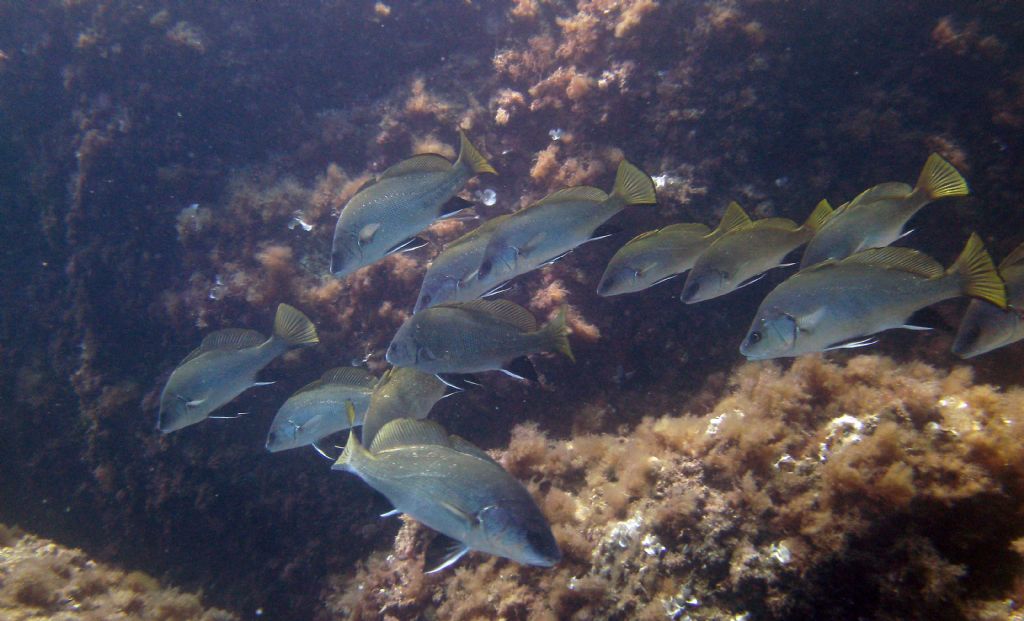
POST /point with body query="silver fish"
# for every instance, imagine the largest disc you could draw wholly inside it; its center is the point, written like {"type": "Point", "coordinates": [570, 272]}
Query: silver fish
{"type": "Point", "coordinates": [986, 327]}
{"type": "Point", "coordinates": [557, 224]}
{"type": "Point", "coordinates": [401, 393]}
{"type": "Point", "coordinates": [317, 410]}
{"type": "Point", "coordinates": [466, 337]}
{"type": "Point", "coordinates": [876, 217]}
{"type": "Point", "coordinates": [225, 365]}
{"type": "Point", "coordinates": [385, 217]}
{"type": "Point", "coordinates": [744, 253]}
{"type": "Point", "coordinates": [656, 256]}
{"type": "Point", "coordinates": [832, 304]}
{"type": "Point", "coordinates": [453, 487]}
{"type": "Point", "coordinates": [452, 276]}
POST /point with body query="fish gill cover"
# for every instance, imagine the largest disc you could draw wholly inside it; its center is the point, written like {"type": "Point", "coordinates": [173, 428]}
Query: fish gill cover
{"type": "Point", "coordinates": [173, 169]}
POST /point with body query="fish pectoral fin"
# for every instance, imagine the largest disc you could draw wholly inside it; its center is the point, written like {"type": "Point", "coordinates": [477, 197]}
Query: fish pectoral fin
{"type": "Point", "coordinates": [408, 245]}
{"type": "Point", "coordinates": [852, 344]}
{"type": "Point", "coordinates": [927, 319]}
{"type": "Point", "coordinates": [522, 369]}
{"type": "Point", "coordinates": [444, 551]}
{"type": "Point", "coordinates": [391, 513]}
{"type": "Point", "coordinates": [459, 513]}
{"type": "Point", "coordinates": [367, 233]}
{"type": "Point", "coordinates": [255, 384]}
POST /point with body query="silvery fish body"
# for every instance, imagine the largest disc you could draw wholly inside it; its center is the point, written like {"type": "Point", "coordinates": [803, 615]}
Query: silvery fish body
{"type": "Point", "coordinates": [467, 337]}
{"type": "Point", "coordinates": [318, 409]}
{"type": "Point", "coordinates": [452, 275]}
{"type": "Point", "coordinates": [385, 216]}
{"type": "Point", "coordinates": [455, 488]}
{"type": "Point", "coordinates": [832, 303]}
{"type": "Point", "coordinates": [401, 393]}
{"type": "Point", "coordinates": [876, 217]}
{"type": "Point", "coordinates": [653, 257]}
{"type": "Point", "coordinates": [555, 225]}
{"type": "Point", "coordinates": [225, 366]}
{"type": "Point", "coordinates": [986, 327]}
{"type": "Point", "coordinates": [745, 252]}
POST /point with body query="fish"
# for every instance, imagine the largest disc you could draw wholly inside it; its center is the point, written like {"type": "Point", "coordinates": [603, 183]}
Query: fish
{"type": "Point", "coordinates": [876, 217]}
{"type": "Point", "coordinates": [986, 327]}
{"type": "Point", "coordinates": [742, 255]}
{"type": "Point", "coordinates": [836, 304]}
{"type": "Point", "coordinates": [656, 256]}
{"type": "Point", "coordinates": [455, 488]}
{"type": "Point", "coordinates": [384, 217]}
{"type": "Point", "coordinates": [317, 410]}
{"type": "Point", "coordinates": [481, 335]}
{"type": "Point", "coordinates": [225, 365]}
{"type": "Point", "coordinates": [558, 223]}
{"type": "Point", "coordinates": [452, 275]}
{"type": "Point", "coordinates": [401, 393]}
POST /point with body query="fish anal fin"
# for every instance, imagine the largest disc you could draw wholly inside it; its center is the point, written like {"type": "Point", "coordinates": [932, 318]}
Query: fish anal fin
{"type": "Point", "coordinates": [408, 245]}
{"type": "Point", "coordinates": [1016, 256]}
{"type": "Point", "coordinates": [454, 205]}
{"type": "Point", "coordinates": [521, 368]}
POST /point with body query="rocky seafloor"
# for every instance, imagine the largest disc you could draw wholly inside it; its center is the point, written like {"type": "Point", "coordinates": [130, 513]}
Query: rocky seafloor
{"type": "Point", "coordinates": [171, 168]}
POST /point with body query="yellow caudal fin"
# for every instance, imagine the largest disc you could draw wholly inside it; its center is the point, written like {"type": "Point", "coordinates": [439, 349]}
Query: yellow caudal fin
{"type": "Point", "coordinates": [819, 216]}
{"type": "Point", "coordinates": [633, 186]}
{"type": "Point", "coordinates": [558, 332]}
{"type": "Point", "coordinates": [978, 273]}
{"type": "Point", "coordinates": [939, 179]}
{"type": "Point", "coordinates": [469, 156]}
{"type": "Point", "coordinates": [293, 327]}
{"type": "Point", "coordinates": [733, 218]}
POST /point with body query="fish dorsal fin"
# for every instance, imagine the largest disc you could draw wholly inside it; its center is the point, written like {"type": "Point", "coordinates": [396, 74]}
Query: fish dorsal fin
{"type": "Point", "coordinates": [350, 376]}
{"type": "Point", "coordinates": [386, 377]}
{"type": "Point", "coordinates": [463, 445]}
{"type": "Point", "coordinates": [696, 228]}
{"type": "Point", "coordinates": [428, 162]}
{"type": "Point", "coordinates": [504, 311]}
{"type": "Point", "coordinates": [903, 259]}
{"type": "Point", "coordinates": [228, 339]}
{"type": "Point", "coordinates": [893, 190]}
{"type": "Point", "coordinates": [403, 432]}
{"type": "Point", "coordinates": [310, 386]}
{"type": "Point", "coordinates": [644, 235]}
{"type": "Point", "coordinates": [733, 218]}
{"type": "Point", "coordinates": [1015, 257]}
{"type": "Point", "coordinates": [784, 224]}
{"type": "Point", "coordinates": [822, 212]}
{"type": "Point", "coordinates": [579, 193]}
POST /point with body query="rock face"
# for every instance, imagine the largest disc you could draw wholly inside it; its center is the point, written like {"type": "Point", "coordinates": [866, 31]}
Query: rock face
{"type": "Point", "coordinates": [167, 170]}
{"type": "Point", "coordinates": [40, 579]}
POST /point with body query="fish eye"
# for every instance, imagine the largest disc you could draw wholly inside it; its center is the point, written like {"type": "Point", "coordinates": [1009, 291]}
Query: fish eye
{"type": "Point", "coordinates": [485, 268]}
{"type": "Point", "coordinates": [755, 337]}
{"type": "Point", "coordinates": [427, 298]}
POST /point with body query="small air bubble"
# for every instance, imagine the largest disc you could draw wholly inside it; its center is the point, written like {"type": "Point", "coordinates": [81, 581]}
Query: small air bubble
{"type": "Point", "coordinates": [556, 134]}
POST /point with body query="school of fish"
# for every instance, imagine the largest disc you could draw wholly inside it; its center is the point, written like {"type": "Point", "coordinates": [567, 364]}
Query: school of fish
{"type": "Point", "coordinates": [851, 284]}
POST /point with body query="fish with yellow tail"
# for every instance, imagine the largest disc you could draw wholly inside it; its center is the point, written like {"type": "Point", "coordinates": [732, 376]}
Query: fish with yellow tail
{"type": "Point", "coordinates": [225, 365]}
{"type": "Point", "coordinates": [384, 217]}
{"type": "Point", "coordinates": [876, 217]}
{"type": "Point", "coordinates": [986, 327]}
{"type": "Point", "coordinates": [840, 304]}
{"type": "Point", "coordinates": [742, 255]}
{"type": "Point", "coordinates": [656, 256]}
{"type": "Point", "coordinates": [317, 410]}
{"type": "Point", "coordinates": [555, 225]}
{"type": "Point", "coordinates": [482, 335]}
{"type": "Point", "coordinates": [454, 488]}
{"type": "Point", "coordinates": [402, 392]}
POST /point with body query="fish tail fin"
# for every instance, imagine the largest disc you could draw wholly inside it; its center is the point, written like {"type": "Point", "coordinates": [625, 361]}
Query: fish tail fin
{"type": "Point", "coordinates": [293, 327]}
{"type": "Point", "coordinates": [818, 217]}
{"type": "Point", "coordinates": [939, 179]}
{"type": "Point", "coordinates": [978, 273]}
{"type": "Point", "coordinates": [733, 218]}
{"type": "Point", "coordinates": [353, 446]}
{"type": "Point", "coordinates": [557, 333]}
{"type": "Point", "coordinates": [633, 186]}
{"type": "Point", "coordinates": [469, 156]}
